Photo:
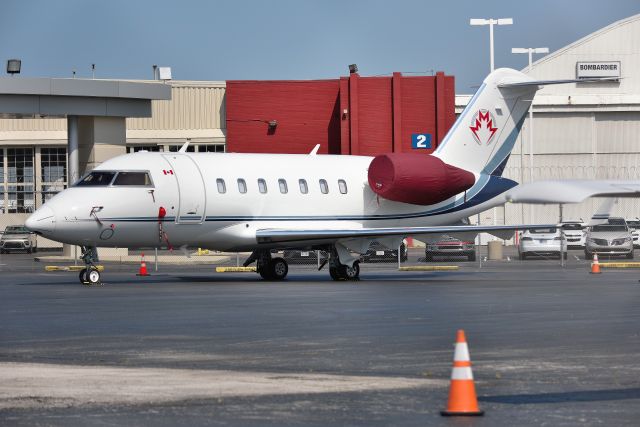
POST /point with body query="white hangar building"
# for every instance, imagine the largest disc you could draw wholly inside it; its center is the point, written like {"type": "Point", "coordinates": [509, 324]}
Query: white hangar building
{"type": "Point", "coordinates": [581, 130]}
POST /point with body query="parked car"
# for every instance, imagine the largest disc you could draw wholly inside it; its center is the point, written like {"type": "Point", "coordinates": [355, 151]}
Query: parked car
{"type": "Point", "coordinates": [379, 253]}
{"type": "Point", "coordinates": [610, 238]}
{"type": "Point", "coordinates": [303, 256]}
{"type": "Point", "coordinates": [542, 242]}
{"type": "Point", "coordinates": [450, 246]}
{"type": "Point", "coordinates": [574, 233]}
{"type": "Point", "coordinates": [634, 226]}
{"type": "Point", "coordinates": [17, 238]}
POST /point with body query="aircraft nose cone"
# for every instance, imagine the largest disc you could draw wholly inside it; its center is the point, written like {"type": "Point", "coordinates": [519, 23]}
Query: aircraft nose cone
{"type": "Point", "coordinates": [42, 220]}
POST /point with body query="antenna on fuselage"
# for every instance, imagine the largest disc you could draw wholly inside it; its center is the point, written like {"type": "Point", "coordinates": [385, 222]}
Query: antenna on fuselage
{"type": "Point", "coordinates": [184, 147]}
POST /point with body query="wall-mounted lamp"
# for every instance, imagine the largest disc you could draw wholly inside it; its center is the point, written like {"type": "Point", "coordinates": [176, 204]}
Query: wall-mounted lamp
{"type": "Point", "coordinates": [13, 66]}
{"type": "Point", "coordinates": [345, 114]}
{"type": "Point", "coordinates": [273, 124]}
{"type": "Point", "coordinates": [353, 68]}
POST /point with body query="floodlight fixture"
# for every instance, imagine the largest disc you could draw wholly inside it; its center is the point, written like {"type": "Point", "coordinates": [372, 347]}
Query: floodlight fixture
{"type": "Point", "coordinates": [13, 66]}
{"type": "Point", "coordinates": [353, 68]}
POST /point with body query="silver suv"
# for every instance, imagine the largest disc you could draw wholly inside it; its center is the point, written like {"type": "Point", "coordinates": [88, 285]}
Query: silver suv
{"type": "Point", "coordinates": [611, 238]}
{"type": "Point", "coordinates": [17, 238]}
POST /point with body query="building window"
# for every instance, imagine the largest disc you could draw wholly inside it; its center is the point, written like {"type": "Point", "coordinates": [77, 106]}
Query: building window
{"type": "Point", "coordinates": [53, 169]}
{"type": "Point", "coordinates": [222, 188]}
{"type": "Point", "coordinates": [20, 180]}
{"type": "Point", "coordinates": [211, 148]}
{"type": "Point", "coordinates": [283, 186]}
{"type": "Point", "coordinates": [175, 148]}
{"type": "Point", "coordinates": [303, 186]}
{"type": "Point", "coordinates": [342, 184]}
{"type": "Point", "coordinates": [136, 148]}
{"type": "Point", "coordinates": [242, 186]}
{"type": "Point", "coordinates": [324, 187]}
{"type": "Point", "coordinates": [262, 185]}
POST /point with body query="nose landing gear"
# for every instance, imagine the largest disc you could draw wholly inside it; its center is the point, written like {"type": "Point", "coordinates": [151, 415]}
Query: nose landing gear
{"type": "Point", "coordinates": [90, 275]}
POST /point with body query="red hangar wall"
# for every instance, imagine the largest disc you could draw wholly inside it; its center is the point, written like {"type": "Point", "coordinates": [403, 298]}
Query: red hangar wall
{"type": "Point", "coordinates": [351, 115]}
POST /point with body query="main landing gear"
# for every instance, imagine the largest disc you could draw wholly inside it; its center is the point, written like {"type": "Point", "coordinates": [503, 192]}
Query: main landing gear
{"type": "Point", "coordinates": [89, 275]}
{"type": "Point", "coordinates": [339, 271]}
{"type": "Point", "coordinates": [268, 268]}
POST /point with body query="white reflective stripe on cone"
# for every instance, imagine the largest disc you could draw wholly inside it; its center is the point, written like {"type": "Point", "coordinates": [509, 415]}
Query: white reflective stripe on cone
{"type": "Point", "coordinates": [462, 352]}
{"type": "Point", "coordinates": [462, 373]}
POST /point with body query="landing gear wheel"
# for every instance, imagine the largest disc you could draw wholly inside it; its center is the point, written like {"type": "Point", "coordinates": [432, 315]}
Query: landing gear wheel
{"type": "Point", "coordinates": [278, 269]}
{"type": "Point", "coordinates": [83, 276]}
{"type": "Point", "coordinates": [93, 276]}
{"type": "Point", "coordinates": [350, 273]}
{"type": "Point", "coordinates": [264, 273]}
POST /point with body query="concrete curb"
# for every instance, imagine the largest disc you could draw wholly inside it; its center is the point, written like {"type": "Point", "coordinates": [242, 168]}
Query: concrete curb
{"type": "Point", "coordinates": [619, 264]}
{"type": "Point", "coordinates": [235, 270]}
{"type": "Point", "coordinates": [135, 260]}
{"type": "Point", "coordinates": [430, 268]}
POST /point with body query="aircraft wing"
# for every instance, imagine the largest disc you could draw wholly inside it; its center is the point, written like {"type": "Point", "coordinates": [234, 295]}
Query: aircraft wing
{"type": "Point", "coordinates": [279, 236]}
{"type": "Point", "coordinates": [571, 191]}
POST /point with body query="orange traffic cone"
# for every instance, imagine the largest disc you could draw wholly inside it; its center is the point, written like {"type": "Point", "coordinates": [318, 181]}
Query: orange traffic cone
{"type": "Point", "coordinates": [462, 393]}
{"type": "Point", "coordinates": [595, 266]}
{"type": "Point", "coordinates": [143, 268]}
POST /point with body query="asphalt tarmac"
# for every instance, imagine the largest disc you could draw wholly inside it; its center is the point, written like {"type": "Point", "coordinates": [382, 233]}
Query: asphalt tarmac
{"type": "Point", "coordinates": [550, 346]}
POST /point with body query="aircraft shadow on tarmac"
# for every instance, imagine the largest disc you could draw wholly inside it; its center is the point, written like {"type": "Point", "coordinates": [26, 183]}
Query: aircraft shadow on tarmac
{"type": "Point", "coordinates": [563, 397]}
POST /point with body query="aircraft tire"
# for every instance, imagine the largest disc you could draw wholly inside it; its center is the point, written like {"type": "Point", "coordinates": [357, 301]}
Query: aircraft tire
{"type": "Point", "coordinates": [350, 273]}
{"type": "Point", "coordinates": [278, 269]}
{"type": "Point", "coordinates": [83, 276]}
{"type": "Point", "coordinates": [265, 273]}
{"type": "Point", "coordinates": [93, 276]}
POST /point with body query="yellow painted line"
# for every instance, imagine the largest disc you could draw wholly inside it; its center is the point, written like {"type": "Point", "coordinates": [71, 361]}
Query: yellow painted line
{"type": "Point", "coordinates": [69, 267]}
{"type": "Point", "coordinates": [431, 268]}
{"type": "Point", "coordinates": [235, 269]}
{"type": "Point", "coordinates": [620, 264]}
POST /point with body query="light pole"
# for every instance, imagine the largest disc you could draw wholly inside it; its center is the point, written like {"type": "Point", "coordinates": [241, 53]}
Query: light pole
{"type": "Point", "coordinates": [530, 51]}
{"type": "Point", "coordinates": [491, 23]}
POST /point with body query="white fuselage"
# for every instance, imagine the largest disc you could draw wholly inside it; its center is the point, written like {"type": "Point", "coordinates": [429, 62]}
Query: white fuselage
{"type": "Point", "coordinates": [199, 214]}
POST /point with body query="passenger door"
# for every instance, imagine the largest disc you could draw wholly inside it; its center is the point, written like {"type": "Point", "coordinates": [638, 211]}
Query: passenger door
{"type": "Point", "coordinates": [192, 198]}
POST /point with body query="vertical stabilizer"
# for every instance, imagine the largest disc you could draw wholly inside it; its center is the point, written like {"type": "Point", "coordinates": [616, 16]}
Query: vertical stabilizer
{"type": "Point", "coordinates": [484, 134]}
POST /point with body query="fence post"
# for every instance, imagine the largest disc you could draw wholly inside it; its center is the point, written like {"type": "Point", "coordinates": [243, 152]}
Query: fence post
{"type": "Point", "coordinates": [156, 259]}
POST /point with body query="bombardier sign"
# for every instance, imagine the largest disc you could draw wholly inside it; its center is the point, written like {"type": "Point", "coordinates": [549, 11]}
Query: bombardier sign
{"type": "Point", "coordinates": [597, 69]}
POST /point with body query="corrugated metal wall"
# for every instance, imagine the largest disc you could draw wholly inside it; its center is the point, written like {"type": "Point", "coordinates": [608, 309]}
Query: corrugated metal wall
{"type": "Point", "coordinates": [192, 106]}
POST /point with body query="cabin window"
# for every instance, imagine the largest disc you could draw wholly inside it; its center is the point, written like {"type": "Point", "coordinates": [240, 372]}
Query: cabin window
{"type": "Point", "coordinates": [303, 186]}
{"type": "Point", "coordinates": [262, 186]}
{"type": "Point", "coordinates": [132, 178]}
{"type": "Point", "coordinates": [283, 186]}
{"type": "Point", "coordinates": [242, 186]}
{"type": "Point", "coordinates": [222, 188]}
{"type": "Point", "coordinates": [342, 184]}
{"type": "Point", "coordinates": [324, 187]}
{"type": "Point", "coordinates": [97, 179]}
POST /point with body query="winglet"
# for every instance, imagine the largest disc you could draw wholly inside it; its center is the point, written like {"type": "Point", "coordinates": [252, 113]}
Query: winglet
{"type": "Point", "coordinates": [315, 150]}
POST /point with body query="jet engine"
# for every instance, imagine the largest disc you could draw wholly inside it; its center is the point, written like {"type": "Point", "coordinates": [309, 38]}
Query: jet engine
{"type": "Point", "coordinates": [419, 179]}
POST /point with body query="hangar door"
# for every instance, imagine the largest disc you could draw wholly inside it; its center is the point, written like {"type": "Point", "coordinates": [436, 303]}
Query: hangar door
{"type": "Point", "coordinates": [192, 200]}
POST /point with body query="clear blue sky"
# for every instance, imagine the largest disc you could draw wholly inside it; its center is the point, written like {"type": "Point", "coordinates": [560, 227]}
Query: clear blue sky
{"type": "Point", "coordinates": [287, 39]}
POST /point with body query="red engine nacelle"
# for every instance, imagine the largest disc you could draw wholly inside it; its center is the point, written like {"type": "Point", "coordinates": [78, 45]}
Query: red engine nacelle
{"type": "Point", "coordinates": [419, 179]}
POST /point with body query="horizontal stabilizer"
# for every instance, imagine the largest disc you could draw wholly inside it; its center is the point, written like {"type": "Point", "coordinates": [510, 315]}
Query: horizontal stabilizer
{"type": "Point", "coordinates": [571, 191]}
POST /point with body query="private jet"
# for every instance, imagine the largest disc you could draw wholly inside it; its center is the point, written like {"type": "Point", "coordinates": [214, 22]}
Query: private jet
{"type": "Point", "coordinates": [339, 203]}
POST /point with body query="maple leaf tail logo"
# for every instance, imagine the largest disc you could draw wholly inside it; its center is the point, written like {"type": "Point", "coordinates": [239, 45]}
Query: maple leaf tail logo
{"type": "Point", "coordinates": [482, 127]}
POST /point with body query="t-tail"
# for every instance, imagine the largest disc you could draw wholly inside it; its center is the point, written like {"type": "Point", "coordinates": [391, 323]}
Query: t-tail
{"type": "Point", "coordinates": [483, 136]}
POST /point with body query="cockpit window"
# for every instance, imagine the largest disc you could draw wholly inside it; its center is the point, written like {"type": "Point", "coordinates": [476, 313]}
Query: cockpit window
{"type": "Point", "coordinates": [132, 178]}
{"type": "Point", "coordinates": [97, 178]}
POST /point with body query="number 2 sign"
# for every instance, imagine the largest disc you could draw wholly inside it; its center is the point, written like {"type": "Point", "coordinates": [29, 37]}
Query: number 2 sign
{"type": "Point", "coordinates": [420, 141]}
